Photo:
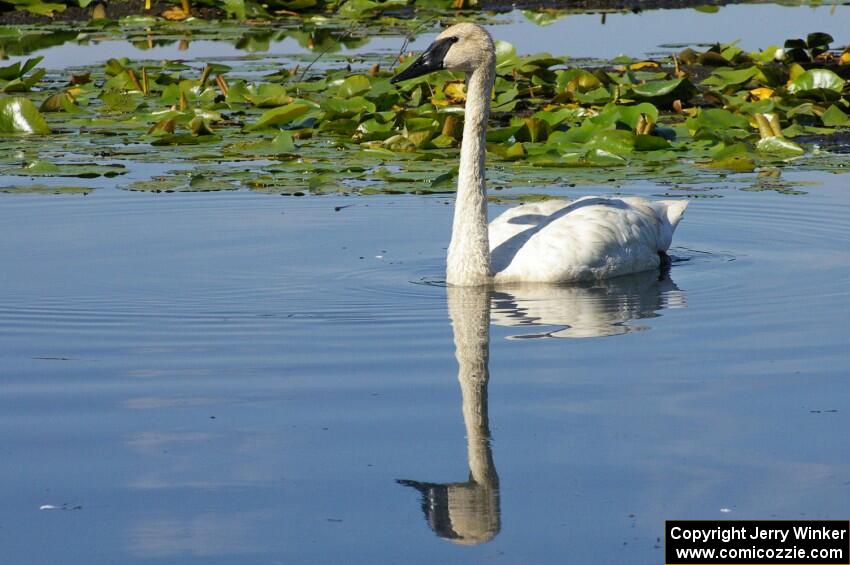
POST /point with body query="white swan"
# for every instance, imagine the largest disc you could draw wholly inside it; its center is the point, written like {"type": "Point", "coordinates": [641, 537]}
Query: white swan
{"type": "Point", "coordinates": [554, 241]}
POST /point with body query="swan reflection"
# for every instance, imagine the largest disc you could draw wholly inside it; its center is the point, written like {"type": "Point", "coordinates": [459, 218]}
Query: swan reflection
{"type": "Point", "coordinates": [592, 309]}
{"type": "Point", "coordinates": [469, 512]}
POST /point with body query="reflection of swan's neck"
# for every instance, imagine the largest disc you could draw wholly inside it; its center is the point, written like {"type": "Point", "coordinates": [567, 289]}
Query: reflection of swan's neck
{"type": "Point", "coordinates": [469, 252]}
{"type": "Point", "coordinates": [475, 418]}
{"type": "Point", "coordinates": [469, 309]}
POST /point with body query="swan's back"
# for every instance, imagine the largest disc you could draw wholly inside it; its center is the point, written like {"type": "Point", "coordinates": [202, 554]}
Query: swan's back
{"type": "Point", "coordinates": [590, 238]}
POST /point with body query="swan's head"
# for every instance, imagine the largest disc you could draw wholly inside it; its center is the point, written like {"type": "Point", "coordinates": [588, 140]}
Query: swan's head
{"type": "Point", "coordinates": [463, 47]}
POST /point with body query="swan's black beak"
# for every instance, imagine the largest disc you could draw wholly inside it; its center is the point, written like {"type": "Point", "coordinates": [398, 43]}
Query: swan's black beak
{"type": "Point", "coordinates": [428, 62]}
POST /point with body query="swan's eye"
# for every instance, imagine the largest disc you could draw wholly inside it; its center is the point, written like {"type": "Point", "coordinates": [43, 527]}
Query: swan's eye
{"type": "Point", "coordinates": [452, 39]}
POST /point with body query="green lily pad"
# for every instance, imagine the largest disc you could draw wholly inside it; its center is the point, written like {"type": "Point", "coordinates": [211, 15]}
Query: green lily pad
{"type": "Point", "coordinates": [833, 117]}
{"type": "Point", "coordinates": [735, 157]}
{"type": "Point", "coordinates": [353, 86]}
{"type": "Point", "coordinates": [45, 189]}
{"type": "Point", "coordinates": [45, 168]}
{"type": "Point", "coordinates": [629, 115]}
{"type": "Point", "coordinates": [664, 91]}
{"type": "Point", "coordinates": [281, 146]}
{"type": "Point", "coordinates": [506, 57]}
{"type": "Point", "coordinates": [340, 107]}
{"type": "Point", "coordinates": [614, 141]}
{"type": "Point", "coordinates": [822, 84]}
{"type": "Point", "coordinates": [18, 70]}
{"type": "Point", "coordinates": [780, 147]}
{"type": "Point", "coordinates": [725, 77]}
{"type": "Point", "coordinates": [718, 124]}
{"type": "Point", "coordinates": [650, 143]}
{"type": "Point", "coordinates": [266, 95]}
{"type": "Point", "coordinates": [19, 115]}
{"type": "Point", "coordinates": [279, 116]}
{"type": "Point", "coordinates": [60, 102]}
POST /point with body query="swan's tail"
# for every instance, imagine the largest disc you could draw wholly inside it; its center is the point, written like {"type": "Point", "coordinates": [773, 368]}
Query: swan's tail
{"type": "Point", "coordinates": [674, 210]}
{"type": "Point", "coordinates": [670, 212]}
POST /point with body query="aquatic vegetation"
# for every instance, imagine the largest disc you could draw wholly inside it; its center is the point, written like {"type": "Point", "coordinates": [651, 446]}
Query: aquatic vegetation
{"type": "Point", "coordinates": [341, 126]}
{"type": "Point", "coordinates": [241, 9]}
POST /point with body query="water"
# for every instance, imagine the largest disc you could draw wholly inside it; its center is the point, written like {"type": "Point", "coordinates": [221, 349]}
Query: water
{"type": "Point", "coordinates": [242, 378]}
{"type": "Point", "coordinates": [235, 377]}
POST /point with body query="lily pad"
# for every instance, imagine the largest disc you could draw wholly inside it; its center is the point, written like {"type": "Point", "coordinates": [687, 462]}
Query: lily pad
{"type": "Point", "coordinates": [664, 92]}
{"type": "Point", "coordinates": [780, 147]}
{"type": "Point", "coordinates": [833, 116]}
{"type": "Point", "coordinates": [19, 115]}
{"type": "Point", "coordinates": [279, 116]}
{"type": "Point", "coordinates": [718, 124]}
{"type": "Point", "coordinates": [822, 84]}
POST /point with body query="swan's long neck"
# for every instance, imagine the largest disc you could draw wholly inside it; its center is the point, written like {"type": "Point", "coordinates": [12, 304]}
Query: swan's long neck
{"type": "Point", "coordinates": [469, 252]}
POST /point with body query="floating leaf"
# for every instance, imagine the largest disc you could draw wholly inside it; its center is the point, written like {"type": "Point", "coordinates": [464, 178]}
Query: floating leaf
{"type": "Point", "coordinates": [498, 135]}
{"type": "Point", "coordinates": [184, 139]}
{"type": "Point", "coordinates": [45, 168]}
{"type": "Point", "coordinates": [38, 7]}
{"type": "Point", "coordinates": [263, 96]}
{"type": "Point", "coordinates": [508, 151]}
{"type": "Point", "coordinates": [59, 102]}
{"type": "Point", "coordinates": [640, 65]}
{"type": "Point", "coordinates": [726, 77]}
{"type": "Point", "coordinates": [281, 146]}
{"type": "Point", "coordinates": [577, 80]}
{"type": "Point", "coordinates": [615, 141]}
{"type": "Point", "coordinates": [779, 146]}
{"type": "Point", "coordinates": [203, 183]}
{"type": "Point", "coordinates": [735, 157]}
{"type": "Point", "coordinates": [716, 123]}
{"type": "Point", "coordinates": [18, 70]}
{"type": "Point", "coordinates": [19, 115]}
{"type": "Point", "coordinates": [761, 93]}
{"type": "Point", "coordinates": [833, 116]}
{"type": "Point", "coordinates": [199, 126]}
{"type": "Point", "coordinates": [650, 143]}
{"type": "Point", "coordinates": [817, 83]}
{"type": "Point", "coordinates": [120, 101]}
{"type": "Point", "coordinates": [664, 91]}
{"type": "Point", "coordinates": [354, 86]}
{"type": "Point", "coordinates": [41, 167]}
{"type": "Point", "coordinates": [279, 116]}
{"type": "Point", "coordinates": [630, 115]}
{"type": "Point", "coordinates": [235, 8]}
{"type": "Point", "coordinates": [556, 117]}
{"type": "Point", "coordinates": [45, 189]}
{"type": "Point", "coordinates": [338, 107]}
{"type": "Point", "coordinates": [534, 130]}
{"type": "Point", "coordinates": [506, 56]}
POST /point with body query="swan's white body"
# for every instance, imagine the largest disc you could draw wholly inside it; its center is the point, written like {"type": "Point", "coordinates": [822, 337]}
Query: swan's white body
{"type": "Point", "coordinates": [550, 242]}
{"type": "Point", "coordinates": [585, 239]}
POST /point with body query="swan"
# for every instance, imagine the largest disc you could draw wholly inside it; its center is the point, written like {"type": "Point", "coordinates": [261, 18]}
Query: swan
{"type": "Point", "coordinates": [550, 242]}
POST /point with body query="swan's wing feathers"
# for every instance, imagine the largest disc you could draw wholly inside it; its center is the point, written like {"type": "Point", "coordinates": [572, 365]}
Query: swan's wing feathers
{"type": "Point", "coordinates": [588, 239]}
{"type": "Point", "coordinates": [520, 218]}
